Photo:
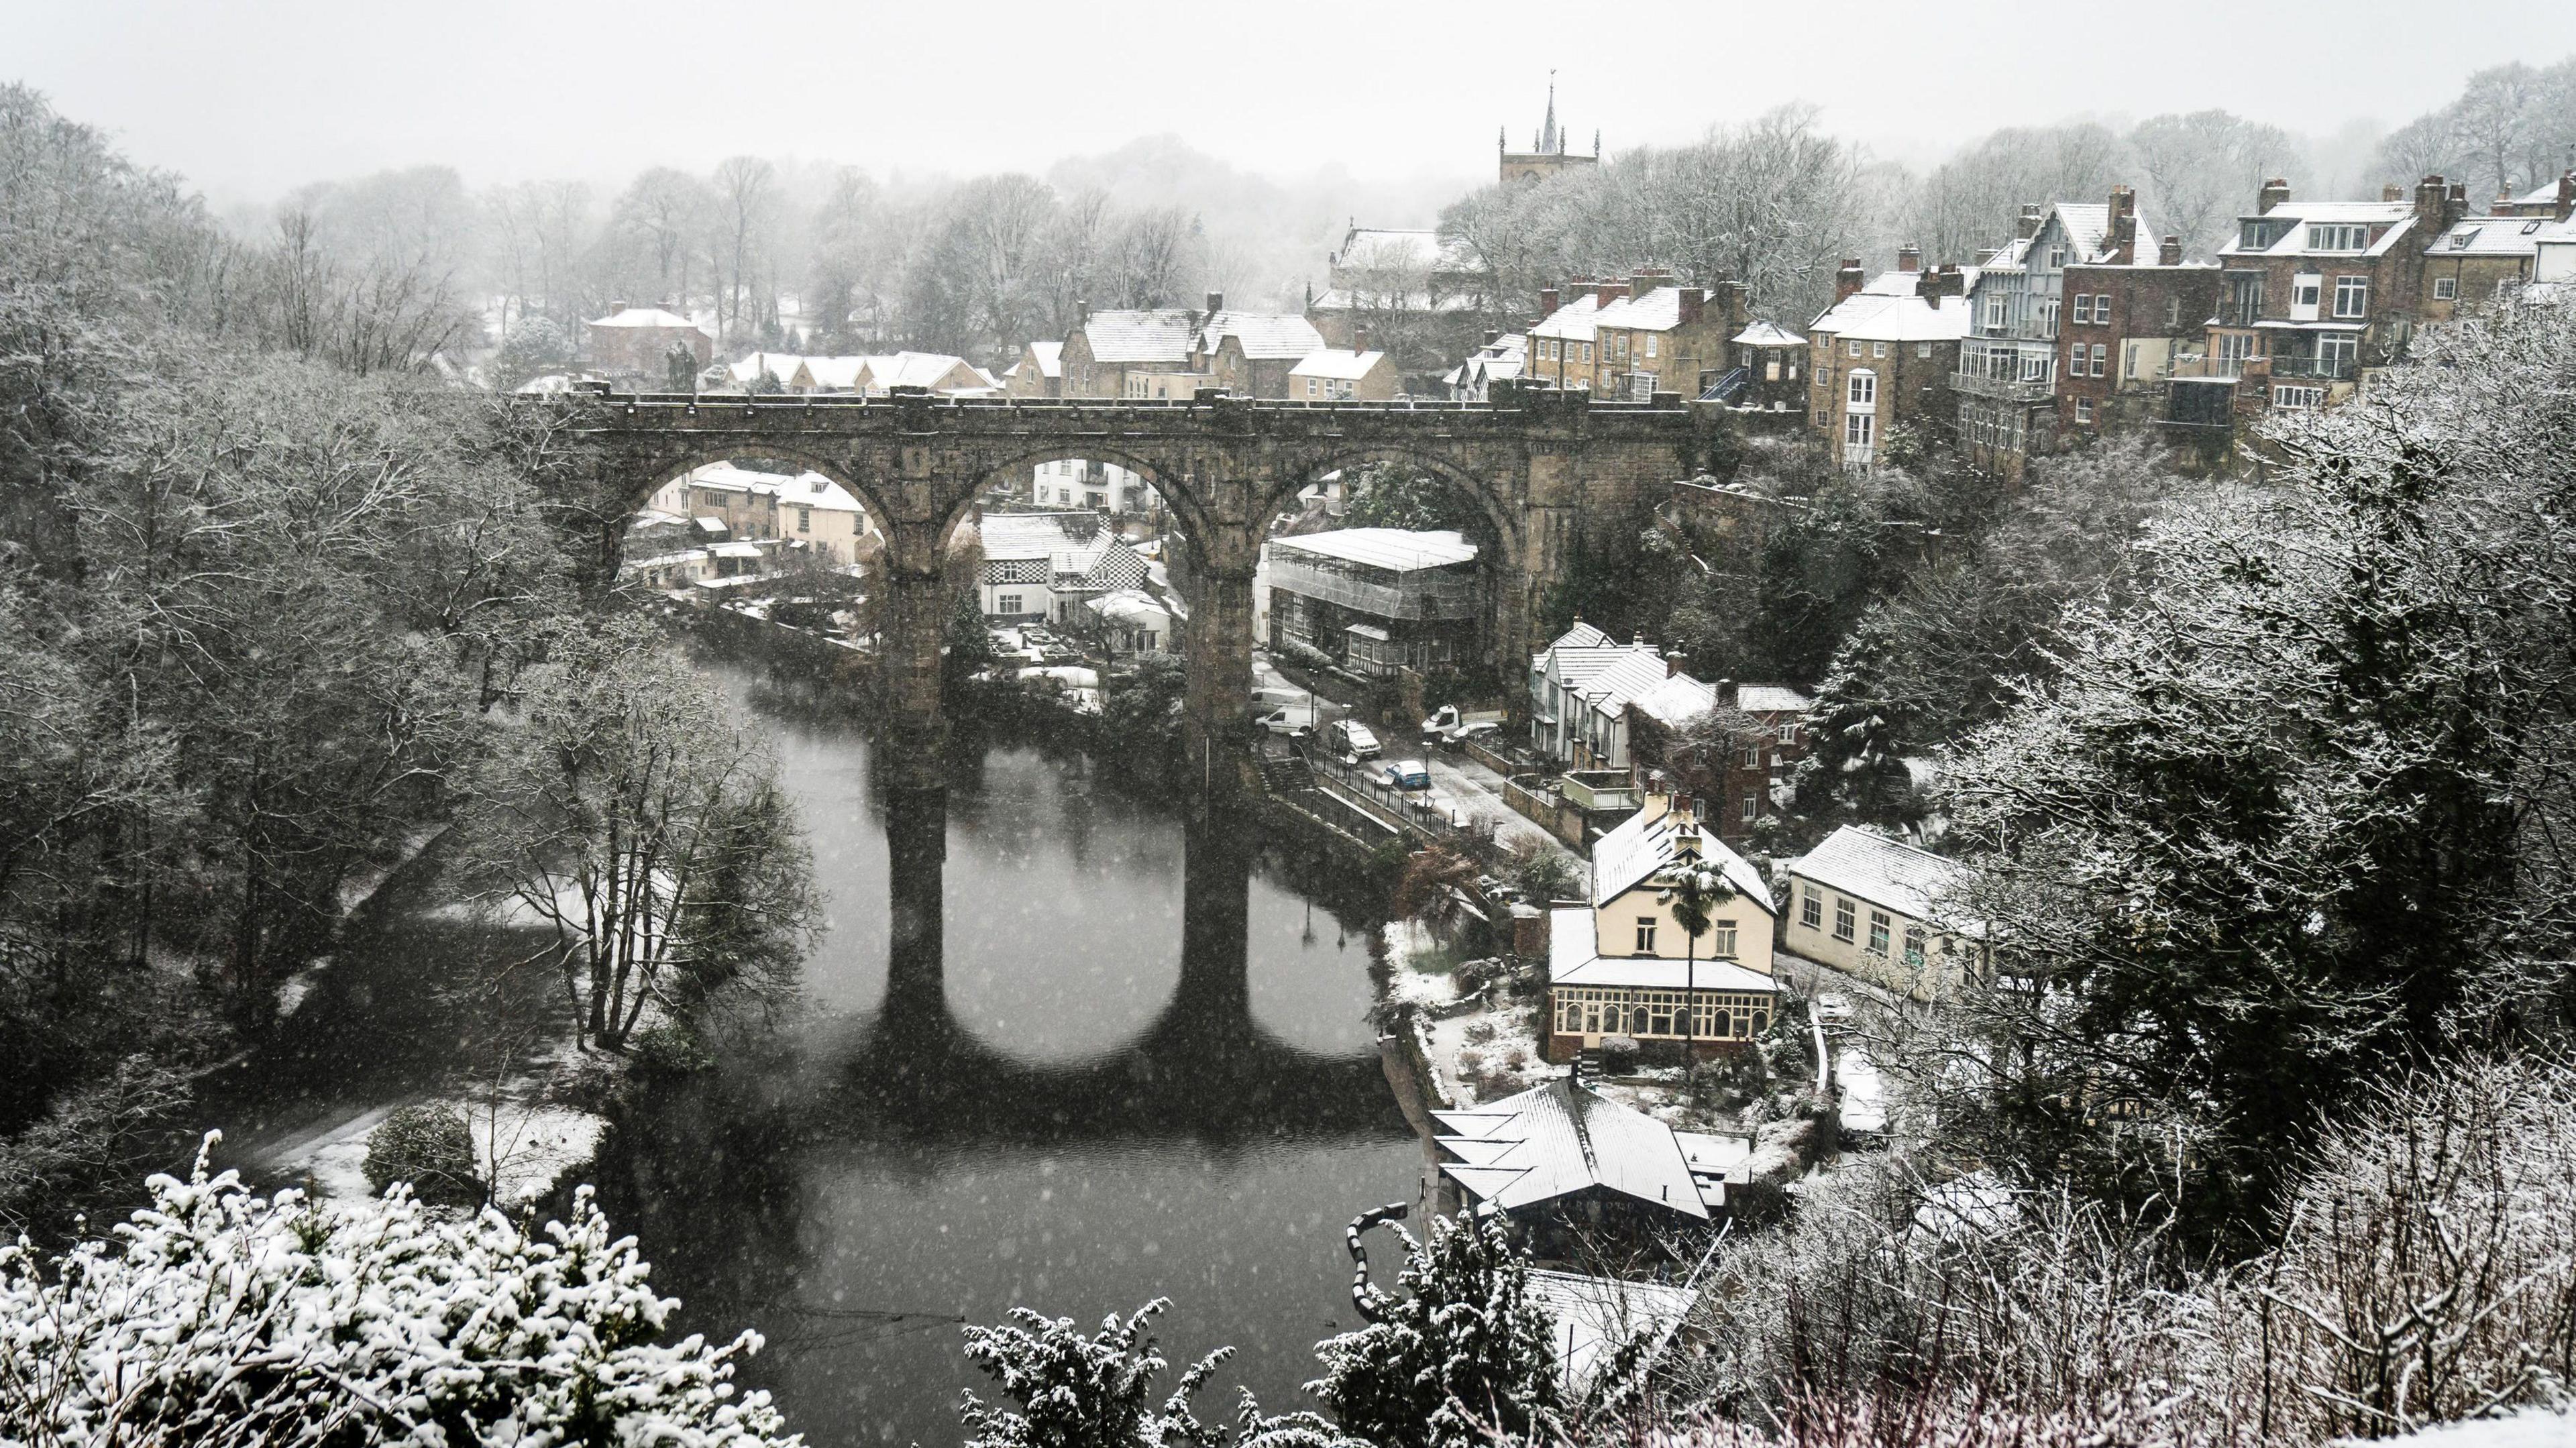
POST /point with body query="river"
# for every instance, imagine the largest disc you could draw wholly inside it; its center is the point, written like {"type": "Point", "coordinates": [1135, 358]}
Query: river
{"type": "Point", "coordinates": [1059, 1051]}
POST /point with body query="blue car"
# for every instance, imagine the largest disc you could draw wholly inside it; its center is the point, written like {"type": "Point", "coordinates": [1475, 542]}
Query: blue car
{"type": "Point", "coordinates": [1405, 774]}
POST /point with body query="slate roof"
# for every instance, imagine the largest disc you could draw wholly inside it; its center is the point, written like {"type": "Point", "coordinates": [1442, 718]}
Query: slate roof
{"type": "Point", "coordinates": [1771, 699]}
{"type": "Point", "coordinates": [1558, 1139]}
{"type": "Point", "coordinates": [1879, 317]}
{"type": "Point", "coordinates": [1641, 848]}
{"type": "Point", "coordinates": [1880, 870]}
{"type": "Point", "coordinates": [1160, 335]}
{"type": "Point", "coordinates": [1050, 358]}
{"type": "Point", "coordinates": [1677, 700]}
{"type": "Point", "coordinates": [1657, 311]}
{"type": "Point", "coordinates": [1592, 1318]}
{"type": "Point", "coordinates": [839, 374]}
{"type": "Point", "coordinates": [2397, 216]}
{"type": "Point", "coordinates": [921, 369]}
{"type": "Point", "coordinates": [1391, 246]}
{"type": "Point", "coordinates": [1264, 336]}
{"type": "Point", "coordinates": [1573, 321]}
{"type": "Point", "coordinates": [2493, 236]}
{"type": "Point", "coordinates": [1765, 334]}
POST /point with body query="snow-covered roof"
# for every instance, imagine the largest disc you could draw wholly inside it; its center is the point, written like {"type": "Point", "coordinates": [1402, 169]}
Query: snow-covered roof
{"type": "Point", "coordinates": [1128, 606]}
{"type": "Point", "coordinates": [1607, 677]}
{"type": "Point", "coordinates": [2397, 216]}
{"type": "Point", "coordinates": [1050, 358]}
{"type": "Point", "coordinates": [1574, 958]}
{"type": "Point", "coordinates": [1594, 1317]}
{"type": "Point", "coordinates": [647, 317]}
{"type": "Point", "coordinates": [836, 374]}
{"type": "Point", "coordinates": [1677, 700]}
{"type": "Point", "coordinates": [1770, 699]}
{"type": "Point", "coordinates": [1878, 317]}
{"type": "Point", "coordinates": [750, 368]}
{"type": "Point", "coordinates": [1882, 871]}
{"type": "Point", "coordinates": [937, 370]}
{"type": "Point", "coordinates": [1397, 550]}
{"type": "Point", "coordinates": [1554, 1140]}
{"type": "Point", "coordinates": [805, 490]}
{"type": "Point", "coordinates": [1581, 636]}
{"type": "Point", "coordinates": [1659, 310]}
{"type": "Point", "coordinates": [1765, 334]}
{"type": "Point", "coordinates": [1160, 335]}
{"type": "Point", "coordinates": [1337, 364]}
{"type": "Point", "coordinates": [1264, 336]}
{"type": "Point", "coordinates": [1647, 844]}
{"type": "Point", "coordinates": [1040, 535]}
{"type": "Point", "coordinates": [2493, 236]}
{"type": "Point", "coordinates": [1572, 321]}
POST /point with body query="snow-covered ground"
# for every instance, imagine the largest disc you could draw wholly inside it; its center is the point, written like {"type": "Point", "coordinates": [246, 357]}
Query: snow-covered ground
{"type": "Point", "coordinates": [525, 1150]}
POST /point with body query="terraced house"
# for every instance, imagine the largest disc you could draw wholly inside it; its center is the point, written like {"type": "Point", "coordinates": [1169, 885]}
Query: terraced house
{"type": "Point", "coordinates": [1884, 354]}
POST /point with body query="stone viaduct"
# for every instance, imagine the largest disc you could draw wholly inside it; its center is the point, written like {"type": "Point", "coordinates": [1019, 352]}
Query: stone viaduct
{"type": "Point", "coordinates": [1542, 465]}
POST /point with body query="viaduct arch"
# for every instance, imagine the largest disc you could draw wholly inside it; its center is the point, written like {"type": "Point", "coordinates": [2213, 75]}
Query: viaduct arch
{"type": "Point", "coordinates": [1543, 465]}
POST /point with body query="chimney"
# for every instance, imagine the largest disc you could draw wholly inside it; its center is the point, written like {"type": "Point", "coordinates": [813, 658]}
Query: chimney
{"type": "Point", "coordinates": [616, 307]}
{"type": "Point", "coordinates": [1691, 300]}
{"type": "Point", "coordinates": [2430, 194]}
{"type": "Point", "coordinates": [2392, 192]}
{"type": "Point", "coordinates": [1909, 257]}
{"type": "Point", "coordinates": [1081, 313]}
{"type": "Point", "coordinates": [1492, 335]}
{"type": "Point", "coordinates": [2170, 252]}
{"type": "Point", "coordinates": [1848, 280]}
{"type": "Point", "coordinates": [1546, 303]}
{"type": "Point", "coordinates": [2274, 192]}
{"type": "Point", "coordinates": [2031, 217]}
{"type": "Point", "coordinates": [1216, 303]}
{"type": "Point", "coordinates": [1946, 281]}
{"type": "Point", "coordinates": [2124, 226]}
{"type": "Point", "coordinates": [2566, 195]}
{"type": "Point", "coordinates": [1359, 339]}
{"type": "Point", "coordinates": [1604, 293]}
{"type": "Point", "coordinates": [1647, 279]}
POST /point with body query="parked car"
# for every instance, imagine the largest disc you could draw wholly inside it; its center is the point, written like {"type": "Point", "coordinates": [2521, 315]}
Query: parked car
{"type": "Point", "coordinates": [1405, 774]}
{"type": "Point", "coordinates": [1294, 720]}
{"type": "Point", "coordinates": [1449, 724]}
{"type": "Point", "coordinates": [1265, 699]}
{"type": "Point", "coordinates": [1351, 739]}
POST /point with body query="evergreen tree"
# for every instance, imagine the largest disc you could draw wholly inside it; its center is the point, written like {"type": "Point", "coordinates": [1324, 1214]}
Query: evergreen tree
{"type": "Point", "coordinates": [1461, 1357]}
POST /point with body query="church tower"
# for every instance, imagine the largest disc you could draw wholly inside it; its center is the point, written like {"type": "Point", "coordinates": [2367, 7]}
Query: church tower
{"type": "Point", "coordinates": [1547, 154]}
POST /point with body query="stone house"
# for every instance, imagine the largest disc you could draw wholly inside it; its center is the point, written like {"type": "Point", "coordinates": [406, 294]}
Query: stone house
{"type": "Point", "coordinates": [937, 371]}
{"type": "Point", "coordinates": [1038, 374]}
{"type": "Point", "coordinates": [1335, 375]}
{"type": "Point", "coordinates": [1620, 963]}
{"type": "Point", "coordinates": [1774, 360]}
{"type": "Point", "coordinates": [1500, 360]}
{"type": "Point", "coordinates": [2484, 257]}
{"type": "Point", "coordinates": [1104, 347]}
{"type": "Point", "coordinates": [1878, 908]}
{"type": "Point", "coordinates": [1251, 354]}
{"type": "Point", "coordinates": [1884, 354]}
{"type": "Point", "coordinates": [1563, 340]}
{"type": "Point", "coordinates": [1665, 337]}
{"type": "Point", "coordinates": [806, 508]}
{"type": "Point", "coordinates": [635, 342]}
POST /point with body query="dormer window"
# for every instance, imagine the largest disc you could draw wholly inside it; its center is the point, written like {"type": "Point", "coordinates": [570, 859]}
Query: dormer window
{"type": "Point", "coordinates": [2338, 237]}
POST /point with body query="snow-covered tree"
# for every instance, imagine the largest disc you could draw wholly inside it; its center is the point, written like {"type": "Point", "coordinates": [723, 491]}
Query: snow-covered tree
{"type": "Point", "coordinates": [216, 1318]}
{"type": "Point", "coordinates": [1074, 1391]}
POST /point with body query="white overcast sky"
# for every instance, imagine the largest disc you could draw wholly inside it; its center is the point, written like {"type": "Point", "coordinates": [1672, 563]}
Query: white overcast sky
{"type": "Point", "coordinates": [248, 100]}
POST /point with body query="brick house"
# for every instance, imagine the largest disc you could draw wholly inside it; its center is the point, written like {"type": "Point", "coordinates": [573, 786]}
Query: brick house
{"type": "Point", "coordinates": [1736, 784]}
{"type": "Point", "coordinates": [2314, 293]}
{"type": "Point", "coordinates": [636, 342]}
{"type": "Point", "coordinates": [2129, 317]}
{"type": "Point", "coordinates": [1883, 355]}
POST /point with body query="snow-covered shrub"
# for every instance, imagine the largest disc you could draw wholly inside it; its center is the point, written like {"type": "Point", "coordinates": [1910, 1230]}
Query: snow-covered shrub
{"type": "Point", "coordinates": [428, 1145]}
{"type": "Point", "coordinates": [1075, 1391]}
{"type": "Point", "coordinates": [1458, 1352]}
{"type": "Point", "coordinates": [217, 1318]}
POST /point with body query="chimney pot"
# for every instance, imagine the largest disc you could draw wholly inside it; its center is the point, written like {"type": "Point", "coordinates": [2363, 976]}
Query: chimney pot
{"type": "Point", "coordinates": [1848, 280]}
{"type": "Point", "coordinates": [2392, 192]}
{"type": "Point", "coordinates": [1359, 339]}
{"type": "Point", "coordinates": [2033, 216]}
{"type": "Point", "coordinates": [615, 307]}
{"type": "Point", "coordinates": [1909, 257]}
{"type": "Point", "coordinates": [1081, 312]}
{"type": "Point", "coordinates": [1492, 335]}
{"type": "Point", "coordinates": [2275, 191]}
{"type": "Point", "coordinates": [2169, 253]}
{"type": "Point", "coordinates": [1216, 303]}
{"type": "Point", "coordinates": [1604, 293]}
{"type": "Point", "coordinates": [1546, 302]}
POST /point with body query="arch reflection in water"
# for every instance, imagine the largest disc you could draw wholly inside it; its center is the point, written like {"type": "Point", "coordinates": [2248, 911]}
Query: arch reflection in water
{"type": "Point", "coordinates": [1204, 1068]}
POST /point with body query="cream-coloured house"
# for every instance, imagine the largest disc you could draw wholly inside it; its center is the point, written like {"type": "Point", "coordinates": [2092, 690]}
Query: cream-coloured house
{"type": "Point", "coordinates": [1874, 907]}
{"type": "Point", "coordinates": [1621, 964]}
{"type": "Point", "coordinates": [807, 508]}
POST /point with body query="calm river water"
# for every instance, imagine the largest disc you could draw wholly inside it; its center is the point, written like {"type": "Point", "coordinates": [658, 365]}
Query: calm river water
{"type": "Point", "coordinates": [1062, 1052]}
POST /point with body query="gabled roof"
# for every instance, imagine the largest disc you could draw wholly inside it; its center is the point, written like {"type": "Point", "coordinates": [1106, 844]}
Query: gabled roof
{"type": "Point", "coordinates": [1160, 335]}
{"type": "Point", "coordinates": [1771, 699]}
{"type": "Point", "coordinates": [1555, 1140]}
{"type": "Point", "coordinates": [839, 374]}
{"type": "Point", "coordinates": [1642, 848]}
{"type": "Point", "coordinates": [1394, 549]}
{"type": "Point", "coordinates": [2493, 236]}
{"type": "Point", "coordinates": [1581, 636]}
{"type": "Point", "coordinates": [1574, 958]}
{"type": "Point", "coordinates": [1059, 537]}
{"type": "Point", "coordinates": [1677, 700]}
{"type": "Point", "coordinates": [1337, 364]}
{"type": "Point", "coordinates": [1606, 678]}
{"type": "Point", "coordinates": [805, 490]}
{"type": "Point", "coordinates": [1657, 311]}
{"type": "Point", "coordinates": [1050, 358]}
{"type": "Point", "coordinates": [1264, 336]}
{"type": "Point", "coordinates": [1882, 871]}
{"type": "Point", "coordinates": [781, 365]}
{"type": "Point", "coordinates": [1764, 334]}
{"type": "Point", "coordinates": [936, 370]}
{"type": "Point", "coordinates": [647, 317]}
{"type": "Point", "coordinates": [2397, 216]}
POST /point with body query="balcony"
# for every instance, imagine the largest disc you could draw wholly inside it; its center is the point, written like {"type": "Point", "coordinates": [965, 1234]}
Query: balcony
{"type": "Point", "coordinates": [2317, 369]}
{"type": "Point", "coordinates": [2013, 389]}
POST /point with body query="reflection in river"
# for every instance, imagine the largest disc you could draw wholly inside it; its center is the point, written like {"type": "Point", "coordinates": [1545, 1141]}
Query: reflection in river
{"type": "Point", "coordinates": [1066, 1053]}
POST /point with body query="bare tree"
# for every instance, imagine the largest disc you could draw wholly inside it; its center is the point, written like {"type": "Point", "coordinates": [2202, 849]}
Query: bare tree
{"type": "Point", "coordinates": [746, 190]}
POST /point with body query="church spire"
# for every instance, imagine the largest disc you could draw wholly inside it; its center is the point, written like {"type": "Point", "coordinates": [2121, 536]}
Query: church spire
{"type": "Point", "coordinates": [1549, 143]}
